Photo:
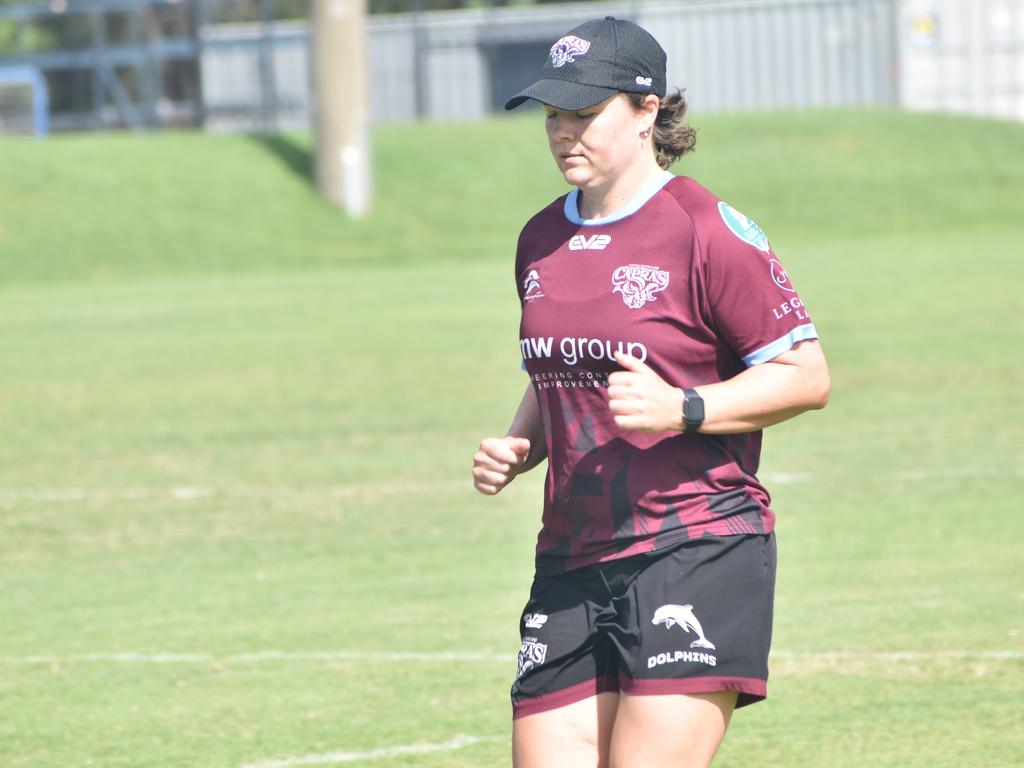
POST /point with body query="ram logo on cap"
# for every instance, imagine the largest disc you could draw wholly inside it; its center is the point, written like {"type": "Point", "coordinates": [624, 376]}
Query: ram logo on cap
{"type": "Point", "coordinates": [566, 48]}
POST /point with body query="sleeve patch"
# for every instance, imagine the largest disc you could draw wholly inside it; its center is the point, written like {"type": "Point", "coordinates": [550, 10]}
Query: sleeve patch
{"type": "Point", "coordinates": [745, 229]}
{"type": "Point", "coordinates": [784, 344]}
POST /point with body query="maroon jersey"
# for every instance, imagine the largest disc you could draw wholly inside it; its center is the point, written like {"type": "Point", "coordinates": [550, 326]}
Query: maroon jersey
{"type": "Point", "coordinates": [690, 286]}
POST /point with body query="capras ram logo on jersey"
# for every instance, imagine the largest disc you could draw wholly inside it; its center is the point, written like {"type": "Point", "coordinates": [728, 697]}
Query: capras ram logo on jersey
{"type": "Point", "coordinates": [638, 283]}
{"type": "Point", "coordinates": [592, 243]}
{"type": "Point", "coordinates": [564, 51]}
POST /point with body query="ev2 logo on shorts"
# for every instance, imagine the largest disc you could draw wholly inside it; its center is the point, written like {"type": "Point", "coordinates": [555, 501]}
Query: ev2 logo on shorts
{"type": "Point", "coordinates": [534, 620]}
{"type": "Point", "coordinates": [682, 616]}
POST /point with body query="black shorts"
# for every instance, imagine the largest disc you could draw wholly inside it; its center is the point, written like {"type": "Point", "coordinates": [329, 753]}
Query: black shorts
{"type": "Point", "coordinates": [696, 618]}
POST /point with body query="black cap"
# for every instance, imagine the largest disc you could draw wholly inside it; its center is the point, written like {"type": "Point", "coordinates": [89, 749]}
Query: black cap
{"type": "Point", "coordinates": [595, 61]}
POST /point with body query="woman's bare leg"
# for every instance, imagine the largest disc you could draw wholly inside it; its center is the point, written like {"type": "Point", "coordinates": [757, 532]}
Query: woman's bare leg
{"type": "Point", "coordinates": [574, 736]}
{"type": "Point", "coordinates": [669, 731]}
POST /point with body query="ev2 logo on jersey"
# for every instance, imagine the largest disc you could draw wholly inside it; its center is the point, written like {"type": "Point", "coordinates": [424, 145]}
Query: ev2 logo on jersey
{"type": "Point", "coordinates": [593, 243]}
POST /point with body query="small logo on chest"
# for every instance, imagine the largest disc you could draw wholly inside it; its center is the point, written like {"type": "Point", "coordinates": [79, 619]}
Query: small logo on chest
{"type": "Point", "coordinates": [531, 286]}
{"type": "Point", "coordinates": [638, 283]}
{"type": "Point", "coordinates": [592, 243]}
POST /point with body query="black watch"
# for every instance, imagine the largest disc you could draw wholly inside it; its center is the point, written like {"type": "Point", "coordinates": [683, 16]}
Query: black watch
{"type": "Point", "coordinates": [693, 410]}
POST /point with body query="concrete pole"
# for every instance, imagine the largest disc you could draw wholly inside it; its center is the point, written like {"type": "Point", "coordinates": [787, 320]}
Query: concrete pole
{"type": "Point", "coordinates": [341, 109]}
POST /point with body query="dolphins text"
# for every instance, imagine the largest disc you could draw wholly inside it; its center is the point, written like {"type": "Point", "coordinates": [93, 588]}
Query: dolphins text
{"type": "Point", "coordinates": [669, 658]}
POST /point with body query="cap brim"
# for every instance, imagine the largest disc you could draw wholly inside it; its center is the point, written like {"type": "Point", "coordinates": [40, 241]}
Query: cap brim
{"type": "Point", "coordinates": [561, 94]}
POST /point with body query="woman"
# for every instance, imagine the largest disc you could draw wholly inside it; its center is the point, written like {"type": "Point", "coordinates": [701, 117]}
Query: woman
{"type": "Point", "coordinates": [661, 335]}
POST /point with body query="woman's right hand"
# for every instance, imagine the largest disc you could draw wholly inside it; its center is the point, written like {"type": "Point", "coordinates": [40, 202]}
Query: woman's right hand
{"type": "Point", "coordinates": [498, 461]}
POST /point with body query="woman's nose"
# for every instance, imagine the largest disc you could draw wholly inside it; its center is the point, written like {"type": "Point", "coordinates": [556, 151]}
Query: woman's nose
{"type": "Point", "coordinates": [563, 127]}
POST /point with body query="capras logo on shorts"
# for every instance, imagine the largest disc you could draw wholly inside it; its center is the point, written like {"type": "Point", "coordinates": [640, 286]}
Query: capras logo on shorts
{"type": "Point", "coordinates": [593, 243]}
{"type": "Point", "coordinates": [531, 654]}
{"type": "Point", "coordinates": [638, 283]}
{"type": "Point", "coordinates": [568, 47]}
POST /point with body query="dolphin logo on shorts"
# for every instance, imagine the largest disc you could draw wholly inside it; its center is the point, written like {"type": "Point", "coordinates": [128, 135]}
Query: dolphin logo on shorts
{"type": "Point", "coordinates": [670, 615]}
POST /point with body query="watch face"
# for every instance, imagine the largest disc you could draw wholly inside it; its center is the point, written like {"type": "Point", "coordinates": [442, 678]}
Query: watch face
{"type": "Point", "coordinates": [693, 409]}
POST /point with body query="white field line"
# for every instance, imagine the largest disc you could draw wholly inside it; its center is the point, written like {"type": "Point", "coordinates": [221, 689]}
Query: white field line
{"type": "Point", "coordinates": [332, 758]}
{"type": "Point", "coordinates": [888, 656]}
{"type": "Point", "coordinates": [357, 490]}
{"type": "Point", "coordinates": [366, 656]}
{"type": "Point", "coordinates": [504, 658]}
{"type": "Point", "coordinates": [194, 493]}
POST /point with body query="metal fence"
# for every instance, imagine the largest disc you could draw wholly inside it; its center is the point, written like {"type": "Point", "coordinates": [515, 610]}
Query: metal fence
{"type": "Point", "coordinates": [179, 62]}
{"type": "Point", "coordinates": [963, 57]}
{"type": "Point", "coordinates": [119, 63]}
{"type": "Point", "coordinates": [730, 55]}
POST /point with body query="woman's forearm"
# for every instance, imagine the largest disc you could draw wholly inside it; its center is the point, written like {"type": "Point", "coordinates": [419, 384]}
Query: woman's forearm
{"type": "Point", "coordinates": [528, 423]}
{"type": "Point", "coordinates": [769, 393]}
{"type": "Point", "coordinates": [794, 382]}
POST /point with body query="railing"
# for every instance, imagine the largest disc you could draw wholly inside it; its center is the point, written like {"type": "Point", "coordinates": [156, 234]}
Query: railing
{"type": "Point", "coordinates": [153, 63]}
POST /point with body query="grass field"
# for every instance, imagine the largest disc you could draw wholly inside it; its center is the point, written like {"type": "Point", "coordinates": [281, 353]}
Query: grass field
{"type": "Point", "coordinates": [236, 521]}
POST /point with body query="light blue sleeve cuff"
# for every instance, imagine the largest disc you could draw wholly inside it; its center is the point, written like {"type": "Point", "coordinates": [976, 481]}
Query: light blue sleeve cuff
{"type": "Point", "coordinates": [777, 347]}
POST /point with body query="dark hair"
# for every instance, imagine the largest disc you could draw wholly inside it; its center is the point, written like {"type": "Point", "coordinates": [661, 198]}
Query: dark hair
{"type": "Point", "coordinates": [672, 137]}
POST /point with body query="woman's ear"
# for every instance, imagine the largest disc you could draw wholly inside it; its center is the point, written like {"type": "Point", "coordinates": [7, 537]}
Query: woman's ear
{"type": "Point", "coordinates": [651, 106]}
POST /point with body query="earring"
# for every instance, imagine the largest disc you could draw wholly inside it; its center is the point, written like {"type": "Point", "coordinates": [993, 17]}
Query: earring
{"type": "Point", "coordinates": [645, 133]}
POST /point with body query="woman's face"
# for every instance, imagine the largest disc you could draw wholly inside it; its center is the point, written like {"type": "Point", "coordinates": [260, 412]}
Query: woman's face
{"type": "Point", "coordinates": [593, 146]}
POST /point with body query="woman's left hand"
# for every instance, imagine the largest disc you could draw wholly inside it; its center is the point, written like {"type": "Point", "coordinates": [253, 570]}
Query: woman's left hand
{"type": "Point", "coordinates": [641, 400]}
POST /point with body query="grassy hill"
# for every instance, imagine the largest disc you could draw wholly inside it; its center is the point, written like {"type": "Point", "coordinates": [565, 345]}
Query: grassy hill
{"type": "Point", "coordinates": [125, 205]}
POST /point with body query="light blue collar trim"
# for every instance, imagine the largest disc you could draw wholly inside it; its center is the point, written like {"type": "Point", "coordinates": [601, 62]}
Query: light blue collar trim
{"type": "Point", "coordinates": [649, 190]}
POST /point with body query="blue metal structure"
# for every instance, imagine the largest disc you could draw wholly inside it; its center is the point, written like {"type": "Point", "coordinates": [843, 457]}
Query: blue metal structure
{"type": "Point", "coordinates": [33, 78]}
{"type": "Point", "coordinates": [232, 65]}
{"type": "Point", "coordinates": [121, 81]}
{"type": "Point", "coordinates": [129, 68]}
